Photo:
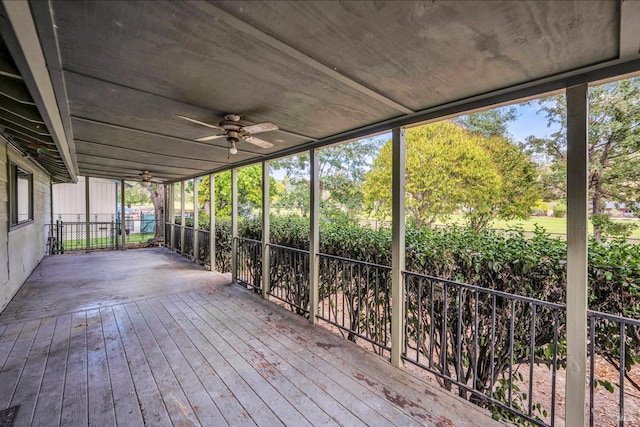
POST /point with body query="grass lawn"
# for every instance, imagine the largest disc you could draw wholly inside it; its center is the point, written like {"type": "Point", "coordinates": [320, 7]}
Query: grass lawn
{"type": "Point", "coordinates": [74, 244]}
{"type": "Point", "coordinates": [550, 224]}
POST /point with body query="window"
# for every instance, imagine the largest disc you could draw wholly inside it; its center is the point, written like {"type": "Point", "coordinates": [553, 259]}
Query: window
{"type": "Point", "coordinates": [21, 195]}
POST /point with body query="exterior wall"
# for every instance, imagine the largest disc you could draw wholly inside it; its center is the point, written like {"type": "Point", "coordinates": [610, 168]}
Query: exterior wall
{"type": "Point", "coordinates": [22, 248]}
{"type": "Point", "coordinates": [69, 200]}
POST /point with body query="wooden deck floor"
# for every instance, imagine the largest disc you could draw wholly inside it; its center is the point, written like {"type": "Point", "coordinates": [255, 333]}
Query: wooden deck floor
{"type": "Point", "coordinates": [212, 354]}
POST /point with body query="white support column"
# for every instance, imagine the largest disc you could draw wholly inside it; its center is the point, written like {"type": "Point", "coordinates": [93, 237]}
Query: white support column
{"type": "Point", "coordinates": [397, 246]}
{"type": "Point", "coordinates": [314, 236]}
{"type": "Point", "coordinates": [172, 216]}
{"type": "Point", "coordinates": [234, 225]}
{"type": "Point", "coordinates": [195, 220]}
{"type": "Point", "coordinates": [87, 213]}
{"type": "Point", "coordinates": [212, 223]}
{"type": "Point", "coordinates": [577, 242]}
{"type": "Point", "coordinates": [165, 195]}
{"type": "Point", "coordinates": [266, 229]}
{"type": "Point", "coordinates": [182, 219]}
{"type": "Point", "coordinates": [123, 226]}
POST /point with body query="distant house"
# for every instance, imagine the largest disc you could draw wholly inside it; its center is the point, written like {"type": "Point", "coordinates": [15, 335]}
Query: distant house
{"type": "Point", "coordinates": [619, 210]}
{"type": "Point", "coordinates": [69, 203]}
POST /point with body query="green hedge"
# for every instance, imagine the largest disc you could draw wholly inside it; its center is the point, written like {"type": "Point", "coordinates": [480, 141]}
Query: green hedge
{"type": "Point", "coordinates": [516, 262]}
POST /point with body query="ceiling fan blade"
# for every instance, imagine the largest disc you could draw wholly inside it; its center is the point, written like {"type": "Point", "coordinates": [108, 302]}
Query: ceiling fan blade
{"type": "Point", "coordinates": [198, 122]}
{"type": "Point", "coordinates": [257, 141]}
{"type": "Point", "coordinates": [260, 127]}
{"type": "Point", "coordinates": [209, 138]}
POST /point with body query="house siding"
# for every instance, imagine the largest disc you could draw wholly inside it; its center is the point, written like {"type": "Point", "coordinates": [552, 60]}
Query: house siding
{"type": "Point", "coordinates": [22, 248]}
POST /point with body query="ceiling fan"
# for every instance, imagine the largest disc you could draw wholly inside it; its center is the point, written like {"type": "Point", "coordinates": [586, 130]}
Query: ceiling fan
{"type": "Point", "coordinates": [234, 131]}
{"type": "Point", "coordinates": [145, 176]}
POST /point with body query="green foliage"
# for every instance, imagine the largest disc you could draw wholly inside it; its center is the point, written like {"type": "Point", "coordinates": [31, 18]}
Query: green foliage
{"type": "Point", "coordinates": [489, 123]}
{"type": "Point", "coordinates": [609, 228]}
{"type": "Point", "coordinates": [559, 210]}
{"type": "Point", "coordinates": [249, 192]}
{"type": "Point", "coordinates": [614, 141]}
{"type": "Point", "coordinates": [342, 170]}
{"type": "Point", "coordinates": [540, 209]}
{"type": "Point", "coordinates": [137, 195]}
{"type": "Point", "coordinates": [519, 263]}
{"type": "Point", "coordinates": [449, 168]}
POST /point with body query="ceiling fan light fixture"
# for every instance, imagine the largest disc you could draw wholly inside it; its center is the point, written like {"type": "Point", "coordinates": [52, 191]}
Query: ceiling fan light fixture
{"type": "Point", "coordinates": [232, 147]}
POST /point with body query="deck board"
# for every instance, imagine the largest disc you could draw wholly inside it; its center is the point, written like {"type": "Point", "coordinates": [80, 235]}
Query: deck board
{"type": "Point", "coordinates": [15, 362]}
{"type": "Point", "coordinates": [152, 407]}
{"type": "Point", "coordinates": [74, 398]}
{"type": "Point", "coordinates": [212, 353]}
{"type": "Point", "coordinates": [48, 408]}
{"type": "Point", "coordinates": [126, 408]}
{"type": "Point", "coordinates": [28, 386]}
{"type": "Point", "coordinates": [201, 402]}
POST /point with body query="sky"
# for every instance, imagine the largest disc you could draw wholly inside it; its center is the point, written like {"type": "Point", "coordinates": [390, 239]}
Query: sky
{"type": "Point", "coordinates": [529, 122]}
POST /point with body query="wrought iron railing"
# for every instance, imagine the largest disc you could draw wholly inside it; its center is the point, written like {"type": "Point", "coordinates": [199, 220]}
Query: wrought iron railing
{"type": "Point", "coordinates": [72, 236]}
{"type": "Point", "coordinates": [188, 242]}
{"type": "Point", "coordinates": [355, 297]}
{"type": "Point", "coordinates": [289, 277]}
{"type": "Point", "coordinates": [167, 234]}
{"type": "Point", "coordinates": [616, 340]}
{"type": "Point", "coordinates": [177, 239]}
{"type": "Point", "coordinates": [477, 341]}
{"type": "Point", "coordinates": [204, 247]}
{"type": "Point", "coordinates": [249, 262]}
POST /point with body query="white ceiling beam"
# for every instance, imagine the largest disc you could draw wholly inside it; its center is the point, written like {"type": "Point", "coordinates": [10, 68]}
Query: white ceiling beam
{"type": "Point", "coordinates": [33, 68]}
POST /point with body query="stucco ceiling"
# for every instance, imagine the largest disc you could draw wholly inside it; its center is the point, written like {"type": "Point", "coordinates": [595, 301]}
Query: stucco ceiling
{"type": "Point", "coordinates": [321, 71]}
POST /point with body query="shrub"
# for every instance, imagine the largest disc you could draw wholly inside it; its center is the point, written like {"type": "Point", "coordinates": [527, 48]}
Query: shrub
{"type": "Point", "coordinates": [559, 211]}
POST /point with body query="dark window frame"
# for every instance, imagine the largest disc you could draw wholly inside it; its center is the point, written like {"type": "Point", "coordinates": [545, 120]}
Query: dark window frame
{"type": "Point", "coordinates": [16, 173]}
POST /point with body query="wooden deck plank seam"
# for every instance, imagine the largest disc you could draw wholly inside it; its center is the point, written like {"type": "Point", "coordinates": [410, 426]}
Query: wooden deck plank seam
{"type": "Point", "coordinates": [360, 393]}
{"type": "Point", "coordinates": [289, 390]}
{"type": "Point", "coordinates": [273, 399]}
{"type": "Point", "coordinates": [41, 378]}
{"type": "Point", "coordinates": [19, 374]}
{"type": "Point", "coordinates": [156, 356]}
{"type": "Point", "coordinates": [193, 353]}
{"type": "Point", "coordinates": [120, 372]}
{"type": "Point", "coordinates": [334, 353]}
{"type": "Point", "coordinates": [184, 375]}
{"type": "Point", "coordinates": [10, 349]}
{"type": "Point", "coordinates": [262, 407]}
{"type": "Point", "coordinates": [50, 365]}
{"type": "Point", "coordinates": [147, 400]}
{"type": "Point", "coordinates": [311, 386]}
{"type": "Point", "coordinates": [234, 383]}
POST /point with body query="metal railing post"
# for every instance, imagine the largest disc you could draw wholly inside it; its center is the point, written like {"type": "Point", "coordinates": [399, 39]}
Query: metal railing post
{"type": "Point", "coordinates": [397, 246]}
{"type": "Point", "coordinates": [314, 236]}
{"type": "Point", "coordinates": [265, 230]}
{"type": "Point", "coordinates": [577, 243]}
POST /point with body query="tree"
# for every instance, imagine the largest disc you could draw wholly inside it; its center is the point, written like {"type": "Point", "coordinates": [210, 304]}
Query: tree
{"type": "Point", "coordinates": [342, 170]}
{"type": "Point", "coordinates": [614, 144]}
{"type": "Point", "coordinates": [249, 192]}
{"type": "Point", "coordinates": [137, 194]}
{"type": "Point", "coordinates": [157, 198]}
{"type": "Point", "coordinates": [449, 168]}
{"type": "Point", "coordinates": [488, 123]}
